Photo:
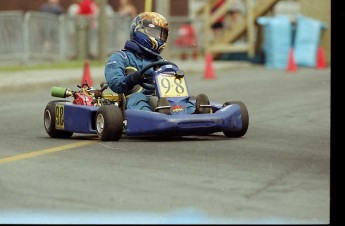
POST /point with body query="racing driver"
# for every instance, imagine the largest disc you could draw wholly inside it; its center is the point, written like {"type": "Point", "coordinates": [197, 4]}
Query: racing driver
{"type": "Point", "coordinates": [148, 37]}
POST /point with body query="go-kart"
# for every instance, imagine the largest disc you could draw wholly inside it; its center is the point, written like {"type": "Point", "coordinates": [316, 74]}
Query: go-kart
{"type": "Point", "coordinates": [94, 111]}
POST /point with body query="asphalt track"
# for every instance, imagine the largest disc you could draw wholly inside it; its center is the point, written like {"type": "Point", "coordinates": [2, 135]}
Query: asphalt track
{"type": "Point", "coordinates": [279, 172]}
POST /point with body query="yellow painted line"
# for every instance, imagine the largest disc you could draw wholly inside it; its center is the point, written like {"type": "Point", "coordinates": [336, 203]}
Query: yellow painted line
{"type": "Point", "coordinates": [45, 151]}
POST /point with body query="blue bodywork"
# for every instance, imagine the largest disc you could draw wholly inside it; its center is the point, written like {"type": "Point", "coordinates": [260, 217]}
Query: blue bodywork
{"type": "Point", "coordinates": [79, 118]}
{"type": "Point", "coordinates": [151, 123]}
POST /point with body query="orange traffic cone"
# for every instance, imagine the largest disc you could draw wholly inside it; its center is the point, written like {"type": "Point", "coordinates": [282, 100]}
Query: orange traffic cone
{"type": "Point", "coordinates": [292, 66]}
{"type": "Point", "coordinates": [209, 72]}
{"type": "Point", "coordinates": [320, 59]}
{"type": "Point", "coordinates": [86, 74]}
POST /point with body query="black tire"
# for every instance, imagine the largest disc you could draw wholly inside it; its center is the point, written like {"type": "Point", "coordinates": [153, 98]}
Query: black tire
{"type": "Point", "coordinates": [109, 123]}
{"type": "Point", "coordinates": [49, 121]}
{"type": "Point", "coordinates": [245, 120]}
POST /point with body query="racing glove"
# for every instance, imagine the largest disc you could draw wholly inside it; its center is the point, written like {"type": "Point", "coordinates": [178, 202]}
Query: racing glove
{"type": "Point", "coordinates": [133, 79]}
{"type": "Point", "coordinates": [136, 77]}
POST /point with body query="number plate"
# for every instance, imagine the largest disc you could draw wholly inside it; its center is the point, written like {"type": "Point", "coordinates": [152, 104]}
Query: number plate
{"type": "Point", "coordinates": [170, 86]}
{"type": "Point", "coordinates": [59, 116]}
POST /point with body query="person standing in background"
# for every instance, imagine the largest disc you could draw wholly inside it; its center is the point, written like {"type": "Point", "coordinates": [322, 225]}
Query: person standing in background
{"type": "Point", "coordinates": [109, 11]}
{"type": "Point", "coordinates": [73, 9]}
{"type": "Point", "coordinates": [127, 8]}
{"type": "Point", "coordinates": [52, 6]}
{"type": "Point", "coordinates": [89, 9]}
{"type": "Point", "coordinates": [49, 33]}
{"type": "Point", "coordinates": [72, 13]}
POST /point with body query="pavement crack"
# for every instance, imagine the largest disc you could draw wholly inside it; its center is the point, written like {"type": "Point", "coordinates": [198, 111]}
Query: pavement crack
{"type": "Point", "coordinates": [274, 181]}
{"type": "Point", "coordinates": [109, 147]}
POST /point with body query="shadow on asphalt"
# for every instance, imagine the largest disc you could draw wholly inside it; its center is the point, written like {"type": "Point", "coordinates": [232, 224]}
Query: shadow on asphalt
{"type": "Point", "coordinates": [124, 138]}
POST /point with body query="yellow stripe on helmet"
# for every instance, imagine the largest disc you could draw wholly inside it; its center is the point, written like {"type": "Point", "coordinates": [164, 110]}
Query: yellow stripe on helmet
{"type": "Point", "coordinates": [154, 43]}
{"type": "Point", "coordinates": [160, 49]}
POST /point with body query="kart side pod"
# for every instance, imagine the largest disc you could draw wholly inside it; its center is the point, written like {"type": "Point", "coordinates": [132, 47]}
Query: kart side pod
{"type": "Point", "coordinates": [61, 92]}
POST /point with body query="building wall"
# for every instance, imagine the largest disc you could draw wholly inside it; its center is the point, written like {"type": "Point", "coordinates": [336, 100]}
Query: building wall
{"type": "Point", "coordinates": [320, 10]}
{"type": "Point", "coordinates": [178, 7]}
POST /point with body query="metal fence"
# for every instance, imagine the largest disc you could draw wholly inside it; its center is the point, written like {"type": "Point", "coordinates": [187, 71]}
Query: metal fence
{"type": "Point", "coordinates": [42, 36]}
{"type": "Point", "coordinates": [11, 35]}
{"type": "Point", "coordinates": [37, 36]}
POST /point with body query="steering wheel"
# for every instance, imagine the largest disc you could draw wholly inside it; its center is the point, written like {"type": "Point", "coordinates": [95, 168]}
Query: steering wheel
{"type": "Point", "coordinates": [144, 69]}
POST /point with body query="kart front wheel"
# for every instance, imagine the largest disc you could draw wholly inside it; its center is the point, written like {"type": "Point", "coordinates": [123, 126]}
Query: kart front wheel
{"type": "Point", "coordinates": [50, 120]}
{"type": "Point", "coordinates": [109, 123]}
{"type": "Point", "coordinates": [244, 117]}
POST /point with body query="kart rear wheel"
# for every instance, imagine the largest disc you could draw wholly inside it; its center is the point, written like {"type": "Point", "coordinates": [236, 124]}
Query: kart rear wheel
{"type": "Point", "coordinates": [245, 120]}
{"type": "Point", "coordinates": [109, 123]}
{"type": "Point", "coordinates": [49, 121]}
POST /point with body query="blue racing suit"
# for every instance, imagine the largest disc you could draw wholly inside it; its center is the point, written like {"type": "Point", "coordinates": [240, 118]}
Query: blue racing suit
{"type": "Point", "coordinates": [131, 56]}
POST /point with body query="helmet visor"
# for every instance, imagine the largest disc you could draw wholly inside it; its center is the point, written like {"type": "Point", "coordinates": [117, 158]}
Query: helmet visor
{"type": "Point", "coordinates": [155, 31]}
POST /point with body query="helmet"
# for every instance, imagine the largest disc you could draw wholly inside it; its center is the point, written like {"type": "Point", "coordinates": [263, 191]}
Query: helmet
{"type": "Point", "coordinates": [150, 31]}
